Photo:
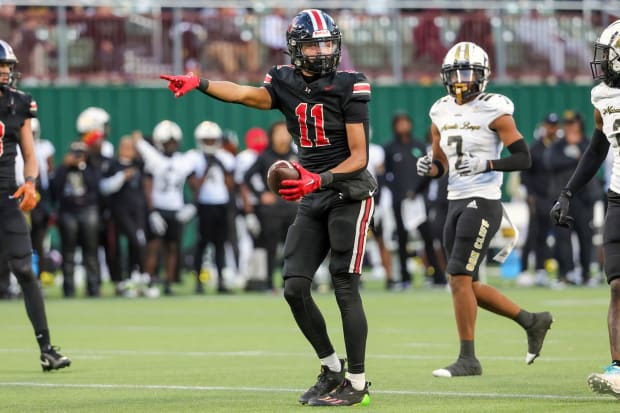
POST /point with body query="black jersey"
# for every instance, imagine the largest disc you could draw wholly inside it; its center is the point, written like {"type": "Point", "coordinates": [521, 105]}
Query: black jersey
{"type": "Point", "coordinates": [15, 107]}
{"type": "Point", "coordinates": [130, 195]}
{"type": "Point", "coordinates": [316, 112]}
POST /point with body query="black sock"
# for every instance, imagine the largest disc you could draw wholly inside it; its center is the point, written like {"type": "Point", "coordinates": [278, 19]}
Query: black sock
{"type": "Point", "coordinates": [616, 363]}
{"type": "Point", "coordinates": [525, 319]}
{"type": "Point", "coordinates": [467, 350]}
{"type": "Point", "coordinates": [43, 338]}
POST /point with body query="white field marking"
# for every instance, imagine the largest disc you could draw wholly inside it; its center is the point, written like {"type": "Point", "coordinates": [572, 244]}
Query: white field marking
{"type": "Point", "coordinates": [260, 353]}
{"type": "Point", "coordinates": [290, 390]}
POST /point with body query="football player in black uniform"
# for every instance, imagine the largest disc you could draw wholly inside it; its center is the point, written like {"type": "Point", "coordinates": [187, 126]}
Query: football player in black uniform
{"type": "Point", "coordinates": [16, 109]}
{"type": "Point", "coordinates": [327, 114]}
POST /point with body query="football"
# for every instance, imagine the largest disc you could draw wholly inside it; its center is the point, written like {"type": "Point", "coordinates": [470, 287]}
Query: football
{"type": "Point", "coordinates": [278, 172]}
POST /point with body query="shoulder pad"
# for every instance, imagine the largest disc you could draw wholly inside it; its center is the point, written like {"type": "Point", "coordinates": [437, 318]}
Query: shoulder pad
{"type": "Point", "coordinates": [434, 110]}
{"type": "Point", "coordinates": [494, 102]}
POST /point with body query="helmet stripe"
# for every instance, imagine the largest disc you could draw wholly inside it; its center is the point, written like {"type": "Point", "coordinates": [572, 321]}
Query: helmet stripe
{"type": "Point", "coordinates": [318, 22]}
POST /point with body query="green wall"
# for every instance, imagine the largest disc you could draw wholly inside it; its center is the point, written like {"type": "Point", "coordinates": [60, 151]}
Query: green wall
{"type": "Point", "coordinates": [141, 108]}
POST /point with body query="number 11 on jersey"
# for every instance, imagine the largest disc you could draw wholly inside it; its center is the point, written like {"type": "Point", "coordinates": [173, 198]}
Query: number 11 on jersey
{"type": "Point", "coordinates": [316, 112]}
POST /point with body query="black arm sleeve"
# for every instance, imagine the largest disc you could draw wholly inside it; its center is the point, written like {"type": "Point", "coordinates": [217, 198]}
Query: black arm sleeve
{"type": "Point", "coordinates": [518, 160]}
{"type": "Point", "coordinates": [590, 162]}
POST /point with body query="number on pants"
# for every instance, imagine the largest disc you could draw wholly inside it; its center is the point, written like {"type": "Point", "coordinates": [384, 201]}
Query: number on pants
{"type": "Point", "coordinates": [316, 111]}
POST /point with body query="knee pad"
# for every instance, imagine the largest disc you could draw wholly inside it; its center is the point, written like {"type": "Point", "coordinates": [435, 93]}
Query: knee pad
{"type": "Point", "coordinates": [295, 288]}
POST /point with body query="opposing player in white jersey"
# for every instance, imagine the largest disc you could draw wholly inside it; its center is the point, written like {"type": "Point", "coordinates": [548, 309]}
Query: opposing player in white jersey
{"type": "Point", "coordinates": [606, 100]}
{"type": "Point", "coordinates": [212, 182]}
{"type": "Point", "coordinates": [166, 169]}
{"type": "Point", "coordinates": [469, 129]}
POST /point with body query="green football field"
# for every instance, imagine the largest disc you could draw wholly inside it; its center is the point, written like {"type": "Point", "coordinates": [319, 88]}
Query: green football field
{"type": "Point", "coordinates": [243, 353]}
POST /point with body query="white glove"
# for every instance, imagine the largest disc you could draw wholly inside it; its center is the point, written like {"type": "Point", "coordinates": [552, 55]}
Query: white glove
{"type": "Point", "coordinates": [158, 223]}
{"type": "Point", "coordinates": [471, 165]}
{"type": "Point", "coordinates": [186, 213]}
{"type": "Point", "coordinates": [424, 165]}
{"type": "Point", "coordinates": [253, 225]}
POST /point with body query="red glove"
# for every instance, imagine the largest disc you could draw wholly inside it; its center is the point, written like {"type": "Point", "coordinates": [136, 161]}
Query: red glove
{"type": "Point", "coordinates": [28, 194]}
{"type": "Point", "coordinates": [293, 189]}
{"type": "Point", "coordinates": [180, 85]}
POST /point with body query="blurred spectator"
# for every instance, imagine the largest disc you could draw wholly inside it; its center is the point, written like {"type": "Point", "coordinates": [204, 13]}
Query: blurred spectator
{"type": "Point", "coordinates": [537, 182]}
{"type": "Point", "coordinates": [562, 158]}
{"type": "Point", "coordinates": [427, 40]}
{"type": "Point", "coordinates": [29, 45]}
{"type": "Point", "coordinates": [212, 183]}
{"type": "Point", "coordinates": [122, 184]}
{"type": "Point", "coordinates": [76, 187]}
{"type": "Point", "coordinates": [108, 33]}
{"type": "Point", "coordinates": [274, 214]}
{"type": "Point", "coordinates": [401, 155]}
{"type": "Point", "coordinates": [545, 38]}
{"type": "Point", "coordinates": [233, 50]}
{"type": "Point", "coordinates": [476, 27]}
{"type": "Point", "coordinates": [166, 170]}
{"type": "Point", "coordinates": [272, 27]}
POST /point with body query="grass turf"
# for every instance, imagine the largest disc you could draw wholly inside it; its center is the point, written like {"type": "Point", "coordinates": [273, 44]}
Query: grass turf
{"type": "Point", "coordinates": [243, 353]}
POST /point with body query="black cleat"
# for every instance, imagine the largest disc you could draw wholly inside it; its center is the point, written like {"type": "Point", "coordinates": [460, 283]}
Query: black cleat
{"type": "Point", "coordinates": [52, 360]}
{"type": "Point", "coordinates": [536, 335]}
{"type": "Point", "coordinates": [462, 367]}
{"type": "Point", "coordinates": [343, 395]}
{"type": "Point", "coordinates": [326, 381]}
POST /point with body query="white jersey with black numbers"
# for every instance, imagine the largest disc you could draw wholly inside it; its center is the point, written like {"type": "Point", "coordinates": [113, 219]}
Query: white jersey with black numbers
{"type": "Point", "coordinates": [212, 171]}
{"type": "Point", "coordinates": [607, 100]}
{"type": "Point", "coordinates": [169, 175]}
{"type": "Point", "coordinates": [465, 131]}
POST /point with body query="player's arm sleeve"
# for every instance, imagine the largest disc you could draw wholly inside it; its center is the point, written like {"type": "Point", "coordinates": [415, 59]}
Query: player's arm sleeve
{"type": "Point", "coordinates": [590, 162]}
{"type": "Point", "coordinates": [518, 160]}
{"type": "Point", "coordinates": [112, 184]}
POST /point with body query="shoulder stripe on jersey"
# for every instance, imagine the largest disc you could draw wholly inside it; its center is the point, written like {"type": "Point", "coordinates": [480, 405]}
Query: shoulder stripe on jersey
{"type": "Point", "coordinates": [481, 96]}
{"type": "Point", "coordinates": [318, 22]}
{"type": "Point", "coordinates": [487, 97]}
{"type": "Point", "coordinates": [33, 106]}
{"type": "Point", "coordinates": [361, 87]}
{"type": "Point", "coordinates": [267, 79]}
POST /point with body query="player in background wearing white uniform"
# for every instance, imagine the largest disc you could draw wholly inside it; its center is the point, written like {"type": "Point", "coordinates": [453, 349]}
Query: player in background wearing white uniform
{"type": "Point", "coordinates": [212, 182]}
{"type": "Point", "coordinates": [469, 129]}
{"type": "Point", "coordinates": [606, 100]}
{"type": "Point", "coordinates": [379, 256]}
{"type": "Point", "coordinates": [248, 225]}
{"type": "Point", "coordinates": [44, 151]}
{"type": "Point", "coordinates": [166, 171]}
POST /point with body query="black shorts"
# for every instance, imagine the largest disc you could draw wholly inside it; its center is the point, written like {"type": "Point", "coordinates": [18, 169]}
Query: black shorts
{"type": "Point", "coordinates": [14, 232]}
{"type": "Point", "coordinates": [470, 225]}
{"type": "Point", "coordinates": [611, 237]}
{"type": "Point", "coordinates": [325, 222]}
{"type": "Point", "coordinates": [174, 228]}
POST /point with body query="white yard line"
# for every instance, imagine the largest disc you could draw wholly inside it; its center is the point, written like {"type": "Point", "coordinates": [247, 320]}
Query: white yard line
{"type": "Point", "coordinates": [263, 353]}
{"type": "Point", "coordinates": [290, 390]}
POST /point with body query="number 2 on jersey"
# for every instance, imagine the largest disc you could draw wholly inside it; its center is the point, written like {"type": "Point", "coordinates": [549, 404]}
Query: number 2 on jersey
{"type": "Point", "coordinates": [316, 111]}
